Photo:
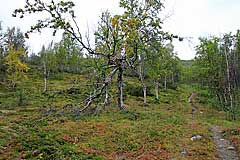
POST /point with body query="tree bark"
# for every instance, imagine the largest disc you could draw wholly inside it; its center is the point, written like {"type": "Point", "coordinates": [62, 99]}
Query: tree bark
{"type": "Point", "coordinates": [106, 96]}
{"type": "Point", "coordinates": [156, 89]}
{"type": "Point", "coordinates": [173, 80]}
{"type": "Point", "coordinates": [141, 77]}
{"type": "Point", "coordinates": [45, 77]}
{"type": "Point", "coordinates": [120, 89]}
{"type": "Point", "coordinates": [229, 84]}
{"type": "Point", "coordinates": [144, 94]}
{"type": "Point", "coordinates": [165, 83]}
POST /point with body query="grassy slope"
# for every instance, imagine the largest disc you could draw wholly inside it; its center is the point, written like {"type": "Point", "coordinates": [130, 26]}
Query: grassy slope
{"type": "Point", "coordinates": [156, 131]}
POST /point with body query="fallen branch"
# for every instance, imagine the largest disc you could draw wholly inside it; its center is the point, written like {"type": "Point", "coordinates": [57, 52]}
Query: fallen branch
{"type": "Point", "coordinates": [99, 91]}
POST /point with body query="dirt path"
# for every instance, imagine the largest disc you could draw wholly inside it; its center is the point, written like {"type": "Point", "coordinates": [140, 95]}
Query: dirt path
{"type": "Point", "coordinates": [224, 148]}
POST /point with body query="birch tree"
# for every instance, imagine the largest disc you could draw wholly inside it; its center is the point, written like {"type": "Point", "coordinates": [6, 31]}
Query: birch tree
{"type": "Point", "coordinates": [16, 69]}
{"type": "Point", "coordinates": [49, 64]}
{"type": "Point", "coordinates": [218, 63]}
{"type": "Point", "coordinates": [123, 35]}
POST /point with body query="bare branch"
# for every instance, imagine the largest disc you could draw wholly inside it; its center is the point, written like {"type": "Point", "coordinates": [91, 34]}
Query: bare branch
{"type": "Point", "coordinates": [99, 91]}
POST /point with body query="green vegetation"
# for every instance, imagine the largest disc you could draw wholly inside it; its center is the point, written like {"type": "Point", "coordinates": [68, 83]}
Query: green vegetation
{"type": "Point", "coordinates": [53, 132]}
{"type": "Point", "coordinates": [127, 97]}
{"type": "Point", "coordinates": [218, 64]}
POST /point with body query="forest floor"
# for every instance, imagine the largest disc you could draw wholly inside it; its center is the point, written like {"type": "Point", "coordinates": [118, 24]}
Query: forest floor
{"type": "Point", "coordinates": [166, 130]}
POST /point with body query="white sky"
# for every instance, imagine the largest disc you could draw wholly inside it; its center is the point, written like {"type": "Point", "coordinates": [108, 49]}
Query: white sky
{"type": "Point", "coordinates": [189, 18]}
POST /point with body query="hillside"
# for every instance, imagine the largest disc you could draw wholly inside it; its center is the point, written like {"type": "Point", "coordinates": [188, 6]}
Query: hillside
{"type": "Point", "coordinates": [116, 88]}
{"type": "Point", "coordinates": [163, 130]}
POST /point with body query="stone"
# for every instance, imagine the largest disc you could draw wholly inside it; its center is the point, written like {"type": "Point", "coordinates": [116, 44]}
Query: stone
{"type": "Point", "coordinates": [196, 137]}
{"type": "Point", "coordinates": [184, 152]}
{"type": "Point", "coordinates": [231, 148]}
{"type": "Point", "coordinates": [35, 153]}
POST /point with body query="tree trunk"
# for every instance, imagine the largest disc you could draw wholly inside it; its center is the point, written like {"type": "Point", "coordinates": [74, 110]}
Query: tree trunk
{"type": "Point", "coordinates": [156, 89]}
{"type": "Point", "coordinates": [45, 77]}
{"type": "Point", "coordinates": [94, 74]}
{"type": "Point", "coordinates": [106, 96]}
{"type": "Point", "coordinates": [229, 84]}
{"type": "Point", "coordinates": [120, 89]}
{"type": "Point", "coordinates": [165, 83]}
{"type": "Point", "coordinates": [144, 94]}
{"type": "Point", "coordinates": [141, 77]}
{"type": "Point", "coordinates": [173, 80]}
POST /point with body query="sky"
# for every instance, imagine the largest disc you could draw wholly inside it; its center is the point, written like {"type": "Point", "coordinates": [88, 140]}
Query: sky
{"type": "Point", "coordinates": [190, 19]}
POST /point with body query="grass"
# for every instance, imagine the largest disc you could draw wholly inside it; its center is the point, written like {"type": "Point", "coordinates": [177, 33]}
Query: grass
{"type": "Point", "coordinates": [157, 131]}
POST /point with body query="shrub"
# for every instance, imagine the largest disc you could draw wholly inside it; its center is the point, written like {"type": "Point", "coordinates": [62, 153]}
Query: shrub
{"type": "Point", "coordinates": [136, 90]}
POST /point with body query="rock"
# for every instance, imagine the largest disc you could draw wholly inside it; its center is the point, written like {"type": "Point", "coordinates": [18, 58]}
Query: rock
{"type": "Point", "coordinates": [221, 146]}
{"type": "Point", "coordinates": [121, 157]}
{"type": "Point", "coordinates": [231, 148]}
{"type": "Point", "coordinates": [35, 153]}
{"type": "Point", "coordinates": [1, 151]}
{"type": "Point", "coordinates": [196, 137]}
{"type": "Point", "coordinates": [184, 152]}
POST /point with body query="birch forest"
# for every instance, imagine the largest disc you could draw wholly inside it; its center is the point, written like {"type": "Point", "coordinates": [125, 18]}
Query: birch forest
{"type": "Point", "coordinates": [120, 92]}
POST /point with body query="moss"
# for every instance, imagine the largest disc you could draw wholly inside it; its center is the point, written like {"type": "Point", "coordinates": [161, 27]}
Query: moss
{"type": "Point", "coordinates": [161, 129]}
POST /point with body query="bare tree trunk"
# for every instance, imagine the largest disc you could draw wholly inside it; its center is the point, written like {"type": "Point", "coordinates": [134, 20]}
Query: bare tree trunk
{"type": "Point", "coordinates": [228, 81]}
{"type": "Point", "coordinates": [144, 87]}
{"type": "Point", "coordinates": [173, 78]}
{"type": "Point", "coordinates": [94, 74]}
{"type": "Point", "coordinates": [45, 77]}
{"type": "Point", "coordinates": [165, 83]}
{"type": "Point", "coordinates": [141, 77]}
{"type": "Point", "coordinates": [156, 89]}
{"type": "Point", "coordinates": [120, 89]}
{"type": "Point", "coordinates": [106, 96]}
{"type": "Point", "coordinates": [144, 94]}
